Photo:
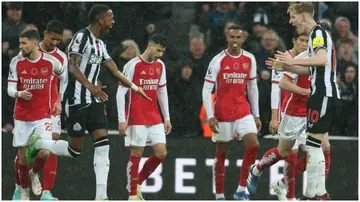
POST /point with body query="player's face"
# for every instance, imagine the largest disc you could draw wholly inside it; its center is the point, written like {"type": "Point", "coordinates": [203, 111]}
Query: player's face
{"type": "Point", "coordinates": [27, 46]}
{"type": "Point", "coordinates": [52, 40]}
{"type": "Point", "coordinates": [301, 43]}
{"type": "Point", "coordinates": [235, 39]}
{"type": "Point", "coordinates": [107, 21]}
{"type": "Point", "coordinates": [157, 51]}
{"type": "Point", "coordinates": [298, 20]}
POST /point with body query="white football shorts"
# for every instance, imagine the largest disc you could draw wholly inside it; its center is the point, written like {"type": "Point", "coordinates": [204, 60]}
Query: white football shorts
{"type": "Point", "coordinates": [23, 130]}
{"type": "Point", "coordinates": [56, 124]}
{"type": "Point", "coordinates": [141, 135]}
{"type": "Point", "coordinates": [241, 126]}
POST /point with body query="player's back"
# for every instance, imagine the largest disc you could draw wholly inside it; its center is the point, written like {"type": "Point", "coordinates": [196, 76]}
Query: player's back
{"type": "Point", "coordinates": [148, 76]}
{"type": "Point", "coordinates": [34, 76]}
{"type": "Point", "coordinates": [230, 77]}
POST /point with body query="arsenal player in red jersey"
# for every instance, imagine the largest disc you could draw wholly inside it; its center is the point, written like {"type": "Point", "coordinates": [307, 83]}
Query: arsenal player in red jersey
{"type": "Point", "coordinates": [143, 122]}
{"type": "Point", "coordinates": [30, 83]}
{"type": "Point", "coordinates": [233, 71]}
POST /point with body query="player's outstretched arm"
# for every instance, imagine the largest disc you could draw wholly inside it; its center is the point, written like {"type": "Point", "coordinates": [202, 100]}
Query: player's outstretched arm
{"type": "Point", "coordinates": [287, 85]}
{"type": "Point", "coordinates": [277, 65]}
{"type": "Point", "coordinates": [111, 66]}
{"type": "Point", "coordinates": [319, 59]}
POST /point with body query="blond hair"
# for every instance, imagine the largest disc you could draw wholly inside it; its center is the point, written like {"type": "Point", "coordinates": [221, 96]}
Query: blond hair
{"type": "Point", "coordinates": [302, 8]}
{"type": "Point", "coordinates": [130, 42]}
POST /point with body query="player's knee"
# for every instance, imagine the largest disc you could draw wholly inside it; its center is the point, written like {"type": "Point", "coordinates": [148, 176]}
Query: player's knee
{"type": "Point", "coordinates": [285, 151]}
{"type": "Point", "coordinates": [161, 154]}
{"type": "Point", "coordinates": [325, 147]}
{"type": "Point", "coordinates": [44, 154]}
{"type": "Point", "coordinates": [74, 152]}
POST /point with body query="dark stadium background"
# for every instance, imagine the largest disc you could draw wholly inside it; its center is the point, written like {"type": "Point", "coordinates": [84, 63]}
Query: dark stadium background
{"type": "Point", "coordinates": [186, 62]}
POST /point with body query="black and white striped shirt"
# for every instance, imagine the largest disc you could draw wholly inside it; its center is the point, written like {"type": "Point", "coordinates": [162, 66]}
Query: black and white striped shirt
{"type": "Point", "coordinates": [323, 78]}
{"type": "Point", "coordinates": [94, 54]}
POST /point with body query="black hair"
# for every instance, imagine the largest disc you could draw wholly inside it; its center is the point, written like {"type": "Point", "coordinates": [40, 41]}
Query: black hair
{"type": "Point", "coordinates": [95, 11]}
{"type": "Point", "coordinates": [31, 34]}
{"type": "Point", "coordinates": [54, 26]}
{"type": "Point", "coordinates": [15, 6]}
{"type": "Point", "coordinates": [158, 39]}
{"type": "Point", "coordinates": [236, 27]}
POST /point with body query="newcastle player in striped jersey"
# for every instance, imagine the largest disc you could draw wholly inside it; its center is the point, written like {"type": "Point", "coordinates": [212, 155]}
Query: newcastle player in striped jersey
{"type": "Point", "coordinates": [324, 96]}
{"type": "Point", "coordinates": [85, 110]}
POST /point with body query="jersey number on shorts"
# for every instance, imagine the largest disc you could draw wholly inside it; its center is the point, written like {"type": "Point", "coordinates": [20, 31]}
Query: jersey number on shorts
{"type": "Point", "coordinates": [48, 126]}
{"type": "Point", "coordinates": [313, 116]}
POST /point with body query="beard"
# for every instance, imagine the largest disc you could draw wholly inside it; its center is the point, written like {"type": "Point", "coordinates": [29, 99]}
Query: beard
{"type": "Point", "coordinates": [24, 54]}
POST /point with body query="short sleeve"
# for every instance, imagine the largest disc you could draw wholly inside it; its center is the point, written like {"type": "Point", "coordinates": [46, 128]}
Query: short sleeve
{"type": "Point", "coordinates": [253, 69]}
{"type": "Point", "coordinates": [163, 76]}
{"type": "Point", "coordinates": [319, 39]}
{"type": "Point", "coordinates": [213, 70]}
{"type": "Point", "coordinates": [291, 75]}
{"type": "Point", "coordinates": [78, 44]}
{"type": "Point", "coordinates": [106, 56]}
{"type": "Point", "coordinates": [13, 76]}
{"type": "Point", "coordinates": [58, 67]}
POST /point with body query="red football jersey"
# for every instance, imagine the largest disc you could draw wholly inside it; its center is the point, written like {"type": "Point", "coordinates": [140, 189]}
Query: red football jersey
{"type": "Point", "coordinates": [295, 104]}
{"type": "Point", "coordinates": [230, 75]}
{"type": "Point", "coordinates": [35, 76]}
{"type": "Point", "coordinates": [61, 56]}
{"type": "Point", "coordinates": [150, 77]}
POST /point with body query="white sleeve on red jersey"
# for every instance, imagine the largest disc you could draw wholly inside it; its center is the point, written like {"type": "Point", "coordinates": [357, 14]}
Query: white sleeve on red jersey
{"type": "Point", "coordinates": [58, 69]}
{"type": "Point", "coordinates": [129, 68]}
{"type": "Point", "coordinates": [13, 77]}
{"type": "Point", "coordinates": [275, 89]}
{"type": "Point", "coordinates": [207, 101]}
{"type": "Point", "coordinates": [164, 102]}
{"type": "Point", "coordinates": [214, 68]}
{"type": "Point", "coordinates": [162, 81]}
{"type": "Point", "coordinates": [253, 93]}
{"type": "Point", "coordinates": [106, 57]}
{"type": "Point", "coordinates": [276, 76]}
{"type": "Point", "coordinates": [253, 69]}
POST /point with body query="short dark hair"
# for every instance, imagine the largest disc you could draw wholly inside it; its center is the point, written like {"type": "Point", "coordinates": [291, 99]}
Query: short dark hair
{"type": "Point", "coordinates": [31, 34]}
{"type": "Point", "coordinates": [95, 11]}
{"type": "Point", "coordinates": [54, 26]}
{"type": "Point", "coordinates": [14, 6]}
{"type": "Point", "coordinates": [296, 35]}
{"type": "Point", "coordinates": [158, 39]}
{"type": "Point", "coordinates": [236, 27]}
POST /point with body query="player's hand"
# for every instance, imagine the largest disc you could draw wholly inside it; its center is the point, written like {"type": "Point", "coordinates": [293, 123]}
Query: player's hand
{"type": "Point", "coordinates": [285, 57]}
{"type": "Point", "coordinates": [122, 128]}
{"type": "Point", "coordinates": [97, 92]}
{"type": "Point", "coordinates": [275, 64]}
{"type": "Point", "coordinates": [167, 126]}
{"type": "Point", "coordinates": [141, 92]}
{"type": "Point", "coordinates": [273, 126]}
{"type": "Point", "coordinates": [214, 125]}
{"type": "Point", "coordinates": [307, 92]}
{"type": "Point", "coordinates": [258, 123]}
{"type": "Point", "coordinates": [57, 108]}
{"type": "Point", "coordinates": [25, 95]}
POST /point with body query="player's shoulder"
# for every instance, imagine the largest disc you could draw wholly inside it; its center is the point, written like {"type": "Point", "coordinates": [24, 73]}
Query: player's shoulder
{"type": "Point", "coordinates": [17, 58]}
{"type": "Point", "coordinates": [161, 62]}
{"type": "Point", "coordinates": [219, 56]}
{"type": "Point", "coordinates": [132, 63]}
{"type": "Point", "coordinates": [82, 32]}
{"type": "Point", "coordinates": [248, 54]}
{"type": "Point", "coordinates": [50, 58]}
{"type": "Point", "coordinates": [61, 53]}
{"type": "Point", "coordinates": [304, 54]}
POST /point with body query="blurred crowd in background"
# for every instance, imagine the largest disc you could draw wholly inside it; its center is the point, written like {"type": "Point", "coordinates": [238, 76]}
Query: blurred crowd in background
{"type": "Point", "coordinates": [196, 32]}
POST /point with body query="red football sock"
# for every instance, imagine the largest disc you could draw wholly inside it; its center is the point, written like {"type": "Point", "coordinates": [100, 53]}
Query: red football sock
{"type": "Point", "coordinates": [271, 157]}
{"type": "Point", "coordinates": [289, 174]}
{"type": "Point", "coordinates": [219, 171]}
{"type": "Point", "coordinates": [24, 175]}
{"type": "Point", "coordinates": [149, 167]}
{"type": "Point", "coordinates": [249, 159]}
{"type": "Point", "coordinates": [300, 167]}
{"type": "Point", "coordinates": [49, 172]}
{"type": "Point", "coordinates": [16, 168]}
{"type": "Point", "coordinates": [38, 164]}
{"type": "Point", "coordinates": [132, 169]}
{"type": "Point", "coordinates": [327, 163]}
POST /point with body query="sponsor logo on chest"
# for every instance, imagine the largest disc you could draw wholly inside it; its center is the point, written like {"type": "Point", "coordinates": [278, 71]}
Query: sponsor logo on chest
{"type": "Point", "coordinates": [234, 77]}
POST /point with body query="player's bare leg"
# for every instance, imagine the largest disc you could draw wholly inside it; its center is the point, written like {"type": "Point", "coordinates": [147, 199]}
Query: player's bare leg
{"type": "Point", "coordinates": [219, 168]}
{"type": "Point", "coordinates": [101, 161]}
{"type": "Point", "coordinates": [271, 157]}
{"type": "Point", "coordinates": [132, 172]}
{"type": "Point", "coordinates": [24, 174]}
{"type": "Point", "coordinates": [252, 146]}
{"type": "Point", "coordinates": [49, 173]}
